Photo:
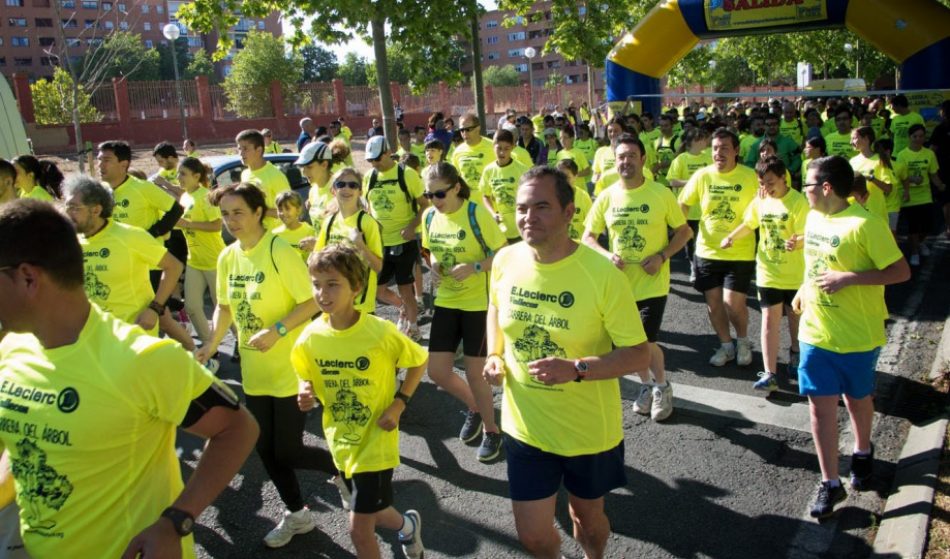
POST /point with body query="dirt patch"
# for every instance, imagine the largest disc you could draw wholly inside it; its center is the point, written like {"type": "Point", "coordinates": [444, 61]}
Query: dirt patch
{"type": "Point", "coordinates": [938, 542]}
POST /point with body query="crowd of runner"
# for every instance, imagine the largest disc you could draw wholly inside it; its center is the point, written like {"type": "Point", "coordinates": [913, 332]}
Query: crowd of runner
{"type": "Point", "coordinates": [548, 246]}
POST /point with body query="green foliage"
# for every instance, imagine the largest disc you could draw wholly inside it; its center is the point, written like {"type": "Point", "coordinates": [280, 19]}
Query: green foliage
{"type": "Point", "coordinates": [501, 76]}
{"type": "Point", "coordinates": [166, 66]}
{"type": "Point", "coordinates": [262, 61]}
{"type": "Point", "coordinates": [53, 100]}
{"type": "Point", "coordinates": [353, 70]}
{"type": "Point", "coordinates": [122, 54]}
{"type": "Point", "coordinates": [404, 67]}
{"type": "Point", "coordinates": [554, 79]}
{"type": "Point", "coordinates": [200, 65]}
{"type": "Point", "coordinates": [319, 64]}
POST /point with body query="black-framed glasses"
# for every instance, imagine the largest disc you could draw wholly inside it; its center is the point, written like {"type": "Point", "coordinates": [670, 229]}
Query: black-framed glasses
{"type": "Point", "coordinates": [808, 184]}
{"type": "Point", "coordinates": [355, 185]}
{"type": "Point", "coordinates": [468, 128]}
{"type": "Point", "coordinates": [440, 194]}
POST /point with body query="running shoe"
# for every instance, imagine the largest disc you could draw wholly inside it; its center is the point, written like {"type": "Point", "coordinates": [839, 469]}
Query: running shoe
{"type": "Point", "coordinates": [662, 402]}
{"type": "Point", "coordinates": [412, 545]}
{"type": "Point", "coordinates": [490, 447]}
{"type": "Point", "coordinates": [862, 467]}
{"type": "Point", "coordinates": [743, 353]}
{"type": "Point", "coordinates": [826, 498]}
{"type": "Point", "coordinates": [472, 427]}
{"type": "Point", "coordinates": [723, 355]}
{"type": "Point", "coordinates": [291, 524]}
{"type": "Point", "coordinates": [644, 402]}
{"type": "Point", "coordinates": [766, 382]}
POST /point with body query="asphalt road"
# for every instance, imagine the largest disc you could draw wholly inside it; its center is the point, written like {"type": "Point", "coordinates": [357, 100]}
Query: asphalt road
{"type": "Point", "coordinates": [730, 474]}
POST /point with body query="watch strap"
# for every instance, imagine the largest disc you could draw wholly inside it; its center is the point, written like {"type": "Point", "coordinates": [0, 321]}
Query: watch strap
{"type": "Point", "coordinates": [182, 521]}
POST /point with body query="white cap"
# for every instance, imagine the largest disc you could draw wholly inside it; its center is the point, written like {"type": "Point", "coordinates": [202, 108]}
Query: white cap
{"type": "Point", "coordinates": [376, 146]}
{"type": "Point", "coordinates": [314, 151]}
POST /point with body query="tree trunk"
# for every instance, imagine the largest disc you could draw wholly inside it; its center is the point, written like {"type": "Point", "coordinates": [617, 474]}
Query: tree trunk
{"type": "Point", "coordinates": [590, 87]}
{"type": "Point", "coordinates": [378, 26]}
{"type": "Point", "coordinates": [77, 127]}
{"type": "Point", "coordinates": [477, 65]}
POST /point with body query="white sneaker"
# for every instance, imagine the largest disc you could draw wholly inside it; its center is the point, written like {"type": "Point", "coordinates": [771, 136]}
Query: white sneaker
{"type": "Point", "coordinates": [723, 355]}
{"type": "Point", "coordinates": [743, 353]}
{"type": "Point", "coordinates": [293, 523]}
{"type": "Point", "coordinates": [213, 365]}
{"type": "Point", "coordinates": [644, 400]}
{"type": "Point", "coordinates": [412, 545]}
{"type": "Point", "coordinates": [662, 402]}
{"type": "Point", "coordinates": [924, 250]}
{"type": "Point", "coordinates": [345, 495]}
{"type": "Point", "coordinates": [915, 260]}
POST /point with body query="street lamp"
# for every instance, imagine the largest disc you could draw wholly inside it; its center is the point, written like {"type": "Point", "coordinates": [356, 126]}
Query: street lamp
{"type": "Point", "coordinates": [849, 48]}
{"type": "Point", "coordinates": [530, 53]}
{"type": "Point", "coordinates": [172, 32]}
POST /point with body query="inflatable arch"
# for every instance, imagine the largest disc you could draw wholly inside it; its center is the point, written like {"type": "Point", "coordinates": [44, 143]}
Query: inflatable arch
{"type": "Point", "coordinates": [915, 33]}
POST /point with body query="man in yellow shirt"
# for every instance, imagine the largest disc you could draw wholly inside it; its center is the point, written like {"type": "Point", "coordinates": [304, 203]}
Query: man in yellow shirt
{"type": "Point", "coordinates": [724, 190]}
{"type": "Point", "coordinates": [166, 156]}
{"type": "Point", "coordinates": [636, 213]}
{"type": "Point", "coordinates": [263, 173]}
{"type": "Point", "coordinates": [562, 328]}
{"type": "Point", "coordinates": [839, 142]}
{"type": "Point", "coordinates": [112, 400]}
{"type": "Point", "coordinates": [473, 154]}
{"type": "Point", "coordinates": [850, 256]}
{"type": "Point", "coordinates": [901, 121]}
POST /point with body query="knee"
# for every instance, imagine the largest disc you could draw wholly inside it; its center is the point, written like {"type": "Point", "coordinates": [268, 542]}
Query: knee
{"type": "Point", "coordinates": [590, 523]}
{"type": "Point", "coordinates": [537, 542]}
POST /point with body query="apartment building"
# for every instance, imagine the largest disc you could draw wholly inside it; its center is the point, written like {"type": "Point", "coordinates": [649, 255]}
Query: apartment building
{"type": "Point", "coordinates": [28, 33]}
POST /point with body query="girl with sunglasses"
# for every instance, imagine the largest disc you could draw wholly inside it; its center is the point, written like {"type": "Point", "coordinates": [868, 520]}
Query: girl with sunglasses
{"type": "Point", "coordinates": [461, 239]}
{"type": "Point", "coordinates": [348, 222]}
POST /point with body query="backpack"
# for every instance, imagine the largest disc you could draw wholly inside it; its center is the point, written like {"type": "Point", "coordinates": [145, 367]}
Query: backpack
{"type": "Point", "coordinates": [401, 177]}
{"type": "Point", "coordinates": [472, 222]}
{"type": "Point", "coordinates": [359, 227]}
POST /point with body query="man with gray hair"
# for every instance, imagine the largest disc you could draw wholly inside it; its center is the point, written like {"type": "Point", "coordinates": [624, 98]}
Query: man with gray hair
{"type": "Point", "coordinates": [307, 131]}
{"type": "Point", "coordinates": [118, 257]}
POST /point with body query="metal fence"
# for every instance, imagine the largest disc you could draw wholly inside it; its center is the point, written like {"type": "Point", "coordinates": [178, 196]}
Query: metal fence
{"type": "Point", "coordinates": [103, 99]}
{"type": "Point", "coordinates": [361, 100]}
{"type": "Point", "coordinates": [312, 99]}
{"type": "Point", "coordinates": [159, 99]}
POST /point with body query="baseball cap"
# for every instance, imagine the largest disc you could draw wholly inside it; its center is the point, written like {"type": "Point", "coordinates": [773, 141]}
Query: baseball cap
{"type": "Point", "coordinates": [550, 132]}
{"type": "Point", "coordinates": [375, 147]}
{"type": "Point", "coordinates": [314, 151]}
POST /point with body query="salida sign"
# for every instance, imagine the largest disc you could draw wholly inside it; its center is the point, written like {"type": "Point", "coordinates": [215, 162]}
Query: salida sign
{"type": "Point", "coordinates": [728, 15]}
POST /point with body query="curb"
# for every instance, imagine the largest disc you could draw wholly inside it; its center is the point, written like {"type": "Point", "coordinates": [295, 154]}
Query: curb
{"type": "Point", "coordinates": [906, 518]}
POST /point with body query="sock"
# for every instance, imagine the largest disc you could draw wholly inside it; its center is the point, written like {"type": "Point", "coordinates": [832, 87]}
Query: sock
{"type": "Point", "coordinates": [407, 522]}
{"type": "Point", "coordinates": [862, 452]}
{"type": "Point", "coordinates": [728, 346]}
{"type": "Point", "coordinates": [833, 482]}
{"type": "Point", "coordinates": [659, 384]}
{"type": "Point", "coordinates": [741, 340]}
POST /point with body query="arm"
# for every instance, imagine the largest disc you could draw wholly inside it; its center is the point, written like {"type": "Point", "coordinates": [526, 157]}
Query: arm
{"type": "Point", "coordinates": [898, 272]}
{"type": "Point", "coordinates": [885, 187]}
{"type": "Point", "coordinates": [266, 338]}
{"type": "Point", "coordinates": [168, 221]}
{"type": "Point", "coordinates": [677, 183]}
{"type": "Point", "coordinates": [375, 262]}
{"type": "Point", "coordinates": [494, 370]}
{"type": "Point", "coordinates": [409, 231]}
{"type": "Point", "coordinates": [740, 232]}
{"type": "Point", "coordinates": [209, 226]}
{"type": "Point", "coordinates": [461, 271]}
{"type": "Point", "coordinates": [653, 263]}
{"type": "Point", "coordinates": [935, 180]}
{"type": "Point", "coordinates": [171, 270]}
{"type": "Point", "coordinates": [389, 420]}
{"type": "Point", "coordinates": [617, 363]}
{"type": "Point", "coordinates": [590, 240]}
{"type": "Point", "coordinates": [220, 324]}
{"type": "Point", "coordinates": [7, 488]}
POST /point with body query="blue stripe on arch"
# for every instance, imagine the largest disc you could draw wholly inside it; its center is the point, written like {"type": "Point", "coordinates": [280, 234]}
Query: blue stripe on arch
{"type": "Point", "coordinates": [623, 82]}
{"type": "Point", "coordinates": [694, 14]}
{"type": "Point", "coordinates": [926, 69]}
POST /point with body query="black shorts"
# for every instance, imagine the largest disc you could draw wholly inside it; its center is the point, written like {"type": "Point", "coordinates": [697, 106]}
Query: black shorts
{"type": "Point", "coordinates": [398, 262]}
{"type": "Point", "coordinates": [535, 474]}
{"type": "Point", "coordinates": [734, 275]}
{"type": "Point", "coordinates": [451, 326]}
{"type": "Point", "coordinates": [651, 315]}
{"type": "Point", "coordinates": [370, 492]}
{"type": "Point", "coordinates": [919, 219]}
{"type": "Point", "coordinates": [769, 296]}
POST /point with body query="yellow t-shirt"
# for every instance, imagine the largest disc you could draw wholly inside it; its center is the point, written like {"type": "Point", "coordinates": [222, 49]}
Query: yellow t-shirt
{"type": "Point", "coordinates": [272, 182]}
{"type": "Point", "coordinates": [863, 165]}
{"type": "Point", "coordinates": [346, 132]}
{"type": "Point", "coordinates": [389, 205]}
{"type": "Point", "coordinates": [419, 150]}
{"type": "Point", "coordinates": [520, 155]}
{"type": "Point", "coordinates": [272, 147]}
{"type": "Point", "coordinates": [840, 144]}
{"type": "Point", "coordinates": [294, 236]}
{"type": "Point", "coordinates": [920, 163]}
{"type": "Point", "coordinates": [723, 198]}
{"type": "Point", "coordinates": [852, 319]}
{"type": "Point", "coordinates": [472, 160]}
{"type": "Point", "coordinates": [117, 260]}
{"type": "Point", "coordinates": [899, 126]}
{"type": "Point", "coordinates": [745, 144]}
{"type": "Point", "coordinates": [604, 160]}
{"type": "Point", "coordinates": [203, 246]}
{"type": "Point", "coordinates": [339, 232]}
{"type": "Point", "coordinates": [895, 176]}
{"type": "Point", "coordinates": [90, 428]}
{"type": "Point", "coordinates": [794, 129]}
{"type": "Point", "coordinates": [352, 376]}
{"type": "Point", "coordinates": [171, 175]}
{"type": "Point", "coordinates": [665, 149]}
{"type": "Point", "coordinates": [317, 201]}
{"type": "Point", "coordinates": [579, 306]}
{"type": "Point", "coordinates": [650, 137]}
{"type": "Point", "coordinates": [140, 203]}
{"type": "Point", "coordinates": [682, 168]}
{"type": "Point", "coordinates": [501, 185]}
{"type": "Point", "coordinates": [578, 157]}
{"type": "Point", "coordinates": [261, 286]}
{"type": "Point", "coordinates": [588, 147]}
{"type": "Point", "coordinates": [582, 205]}
{"type": "Point", "coordinates": [777, 220]}
{"type": "Point", "coordinates": [451, 240]}
{"type": "Point", "coordinates": [636, 221]}
{"type": "Point", "coordinates": [612, 176]}
{"type": "Point", "coordinates": [38, 193]}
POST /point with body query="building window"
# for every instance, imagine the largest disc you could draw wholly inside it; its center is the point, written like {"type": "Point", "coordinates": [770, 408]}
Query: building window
{"type": "Point", "coordinates": [94, 42]}
{"type": "Point", "coordinates": [195, 42]}
{"type": "Point", "coordinates": [44, 22]}
{"type": "Point", "coordinates": [69, 4]}
{"type": "Point", "coordinates": [47, 41]}
{"type": "Point", "coordinates": [16, 22]}
{"type": "Point", "coordinates": [519, 36]}
{"type": "Point", "coordinates": [3, 60]}
{"type": "Point", "coordinates": [521, 67]}
{"type": "Point", "coordinates": [121, 8]}
{"type": "Point", "coordinates": [90, 4]}
{"type": "Point", "coordinates": [15, 3]}
{"type": "Point", "coordinates": [493, 55]}
{"type": "Point", "coordinates": [492, 40]}
{"type": "Point", "coordinates": [515, 53]}
{"type": "Point", "coordinates": [144, 8]}
{"type": "Point", "coordinates": [46, 61]}
{"type": "Point", "coordinates": [160, 9]}
{"type": "Point", "coordinates": [73, 42]}
{"type": "Point", "coordinates": [519, 20]}
{"type": "Point", "coordinates": [124, 25]}
{"type": "Point", "coordinates": [70, 23]}
{"type": "Point", "coordinates": [109, 25]}
{"type": "Point", "coordinates": [582, 10]}
{"type": "Point", "coordinates": [260, 25]}
{"type": "Point", "coordinates": [148, 43]}
{"type": "Point", "coordinates": [22, 61]}
{"type": "Point", "coordinates": [147, 26]}
{"type": "Point", "coordinates": [107, 6]}
{"type": "Point", "coordinates": [491, 24]}
{"type": "Point", "coordinates": [19, 41]}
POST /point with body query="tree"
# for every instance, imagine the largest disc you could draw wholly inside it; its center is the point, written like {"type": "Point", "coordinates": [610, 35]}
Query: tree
{"type": "Point", "coordinates": [500, 76]}
{"type": "Point", "coordinates": [124, 55]}
{"type": "Point", "coordinates": [166, 60]}
{"type": "Point", "coordinates": [353, 71]}
{"type": "Point", "coordinates": [200, 65]}
{"type": "Point", "coordinates": [262, 61]}
{"type": "Point", "coordinates": [319, 64]}
{"type": "Point", "coordinates": [404, 69]}
{"type": "Point", "coordinates": [53, 100]}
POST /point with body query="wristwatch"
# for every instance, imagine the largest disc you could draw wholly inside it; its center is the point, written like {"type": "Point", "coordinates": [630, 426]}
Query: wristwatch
{"type": "Point", "coordinates": [477, 266]}
{"type": "Point", "coordinates": [281, 329]}
{"type": "Point", "coordinates": [157, 307]}
{"type": "Point", "coordinates": [183, 522]}
{"type": "Point", "coordinates": [581, 368]}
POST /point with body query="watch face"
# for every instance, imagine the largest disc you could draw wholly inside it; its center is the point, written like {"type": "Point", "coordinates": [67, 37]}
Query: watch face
{"type": "Point", "coordinates": [187, 525]}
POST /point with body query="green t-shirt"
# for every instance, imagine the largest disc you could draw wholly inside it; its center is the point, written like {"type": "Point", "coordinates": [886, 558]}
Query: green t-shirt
{"type": "Point", "coordinates": [203, 246]}
{"type": "Point", "coordinates": [342, 228]}
{"type": "Point", "coordinates": [588, 147]}
{"type": "Point", "coordinates": [852, 319]}
{"type": "Point", "coordinates": [666, 149]}
{"type": "Point", "coordinates": [388, 203]}
{"type": "Point", "coordinates": [723, 199]}
{"type": "Point", "coordinates": [795, 129]}
{"type": "Point", "coordinates": [272, 182]}
{"type": "Point", "coordinates": [351, 372]}
{"type": "Point", "coordinates": [501, 185]}
{"type": "Point", "coordinates": [778, 219]}
{"type": "Point", "coordinates": [38, 193]}
{"type": "Point", "coordinates": [921, 163]}
{"type": "Point", "coordinates": [636, 221]}
{"type": "Point", "coordinates": [579, 306]}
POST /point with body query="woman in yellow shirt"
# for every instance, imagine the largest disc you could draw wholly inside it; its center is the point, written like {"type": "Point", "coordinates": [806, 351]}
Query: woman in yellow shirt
{"type": "Point", "coordinates": [37, 179]}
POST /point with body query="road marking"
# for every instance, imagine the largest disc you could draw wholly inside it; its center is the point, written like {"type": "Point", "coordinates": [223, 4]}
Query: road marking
{"type": "Point", "coordinates": [756, 409]}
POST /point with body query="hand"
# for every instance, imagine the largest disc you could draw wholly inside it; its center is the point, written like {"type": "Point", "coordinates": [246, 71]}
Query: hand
{"type": "Point", "coordinates": [147, 319]}
{"type": "Point", "coordinates": [204, 353]}
{"type": "Point", "coordinates": [356, 237]}
{"type": "Point", "coordinates": [184, 224]}
{"type": "Point", "coordinates": [652, 264]}
{"type": "Point", "coordinates": [552, 370]}
{"type": "Point", "coordinates": [916, 180]}
{"type": "Point", "coordinates": [461, 271]}
{"type": "Point", "coordinates": [408, 233]}
{"type": "Point", "coordinates": [305, 398]}
{"type": "Point", "coordinates": [727, 242]}
{"type": "Point", "coordinates": [307, 243]}
{"type": "Point", "coordinates": [618, 261]}
{"type": "Point", "coordinates": [264, 340]}
{"type": "Point", "coordinates": [158, 541]}
{"type": "Point", "coordinates": [831, 282]}
{"type": "Point", "coordinates": [791, 244]}
{"type": "Point", "coordinates": [390, 418]}
{"type": "Point", "coordinates": [494, 370]}
{"type": "Point", "coordinates": [798, 303]}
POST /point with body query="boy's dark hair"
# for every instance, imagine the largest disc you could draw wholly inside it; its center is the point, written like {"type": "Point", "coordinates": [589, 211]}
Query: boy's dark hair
{"type": "Point", "coordinates": [165, 149]}
{"type": "Point", "coordinates": [563, 189]}
{"type": "Point", "coordinates": [34, 232]}
{"type": "Point", "coordinates": [251, 136]}
{"type": "Point", "coordinates": [343, 258]}
{"type": "Point", "coordinates": [632, 140]}
{"type": "Point", "coordinates": [565, 165]}
{"type": "Point", "coordinates": [836, 171]}
{"type": "Point", "coordinates": [121, 149]}
{"type": "Point", "coordinates": [503, 135]}
{"type": "Point", "coordinates": [721, 133]}
{"type": "Point", "coordinates": [772, 164]}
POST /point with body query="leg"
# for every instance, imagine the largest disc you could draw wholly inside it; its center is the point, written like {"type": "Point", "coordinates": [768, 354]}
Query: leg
{"type": "Point", "coordinates": [195, 287]}
{"type": "Point", "coordinates": [657, 363]}
{"type": "Point", "coordinates": [824, 431]}
{"type": "Point", "coordinates": [289, 452]}
{"type": "Point", "coordinates": [409, 302]}
{"type": "Point", "coordinates": [534, 521]}
{"type": "Point", "coordinates": [481, 391]}
{"type": "Point", "coordinates": [717, 314]}
{"type": "Point", "coordinates": [441, 372]}
{"type": "Point", "coordinates": [591, 525]}
{"type": "Point", "coordinates": [174, 330]}
{"type": "Point", "coordinates": [387, 296]}
{"type": "Point", "coordinates": [861, 411]}
{"type": "Point", "coordinates": [737, 311]}
{"type": "Point", "coordinates": [771, 327]}
{"type": "Point", "coordinates": [363, 535]}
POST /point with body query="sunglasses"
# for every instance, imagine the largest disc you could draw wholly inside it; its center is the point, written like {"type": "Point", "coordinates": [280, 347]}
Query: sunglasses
{"type": "Point", "coordinates": [355, 185]}
{"type": "Point", "coordinates": [468, 128]}
{"type": "Point", "coordinates": [440, 194]}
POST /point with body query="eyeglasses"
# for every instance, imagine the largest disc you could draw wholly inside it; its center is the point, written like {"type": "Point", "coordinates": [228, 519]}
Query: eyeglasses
{"type": "Point", "coordinates": [468, 128]}
{"type": "Point", "coordinates": [355, 185]}
{"type": "Point", "coordinates": [810, 184]}
{"type": "Point", "coordinates": [440, 194]}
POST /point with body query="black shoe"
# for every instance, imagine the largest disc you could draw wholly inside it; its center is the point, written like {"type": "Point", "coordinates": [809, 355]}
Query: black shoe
{"type": "Point", "coordinates": [472, 427]}
{"type": "Point", "coordinates": [862, 467]}
{"type": "Point", "coordinates": [236, 358]}
{"type": "Point", "coordinates": [826, 499]}
{"type": "Point", "coordinates": [175, 305]}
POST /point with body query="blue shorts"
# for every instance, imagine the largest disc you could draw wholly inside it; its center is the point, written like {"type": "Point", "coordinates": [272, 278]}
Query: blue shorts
{"type": "Point", "coordinates": [826, 373]}
{"type": "Point", "coordinates": [535, 474]}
